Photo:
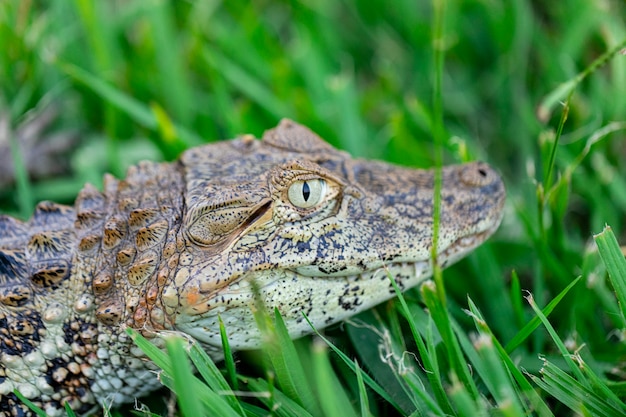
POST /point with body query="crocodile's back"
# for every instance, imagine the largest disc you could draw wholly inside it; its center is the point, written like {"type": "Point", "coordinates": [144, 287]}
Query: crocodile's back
{"type": "Point", "coordinates": [71, 278]}
{"type": "Point", "coordinates": [35, 266]}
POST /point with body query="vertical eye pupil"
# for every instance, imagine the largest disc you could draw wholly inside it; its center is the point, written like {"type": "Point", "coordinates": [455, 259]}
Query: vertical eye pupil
{"type": "Point", "coordinates": [306, 191]}
{"type": "Point", "coordinates": [306, 194]}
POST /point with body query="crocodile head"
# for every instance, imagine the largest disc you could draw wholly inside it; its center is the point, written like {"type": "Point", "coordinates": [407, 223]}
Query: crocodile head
{"type": "Point", "coordinates": [309, 229]}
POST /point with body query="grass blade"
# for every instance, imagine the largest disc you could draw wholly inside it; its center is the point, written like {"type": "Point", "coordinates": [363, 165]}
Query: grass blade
{"type": "Point", "coordinates": [540, 407]}
{"type": "Point", "coordinates": [364, 404]}
{"type": "Point", "coordinates": [281, 353]}
{"type": "Point", "coordinates": [30, 404]}
{"type": "Point", "coordinates": [198, 398]}
{"type": "Point", "coordinates": [280, 404]}
{"type": "Point", "coordinates": [352, 365]}
{"type": "Point", "coordinates": [613, 258]}
{"type": "Point", "coordinates": [559, 343]}
{"type": "Point", "coordinates": [213, 377]}
{"type": "Point", "coordinates": [578, 397]}
{"type": "Point", "coordinates": [442, 321]}
{"type": "Point", "coordinates": [229, 360]}
{"type": "Point", "coordinates": [536, 321]}
{"type": "Point", "coordinates": [428, 357]}
{"type": "Point", "coordinates": [333, 399]}
{"type": "Point", "coordinates": [497, 377]}
{"type": "Point", "coordinates": [187, 400]}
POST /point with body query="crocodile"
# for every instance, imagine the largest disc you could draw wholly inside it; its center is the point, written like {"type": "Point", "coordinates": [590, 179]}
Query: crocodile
{"type": "Point", "coordinates": [175, 246]}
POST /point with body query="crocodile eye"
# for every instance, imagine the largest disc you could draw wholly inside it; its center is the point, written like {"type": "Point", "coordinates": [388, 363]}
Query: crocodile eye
{"type": "Point", "coordinates": [305, 194]}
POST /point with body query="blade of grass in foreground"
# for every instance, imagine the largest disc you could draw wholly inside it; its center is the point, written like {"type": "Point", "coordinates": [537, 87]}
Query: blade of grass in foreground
{"type": "Point", "coordinates": [536, 321]}
{"type": "Point", "coordinates": [540, 407]}
{"type": "Point", "coordinates": [30, 404]}
{"type": "Point", "coordinates": [287, 366]}
{"type": "Point", "coordinates": [209, 401]}
{"type": "Point", "coordinates": [428, 356]}
{"type": "Point", "coordinates": [450, 341]}
{"type": "Point", "coordinates": [229, 359]}
{"type": "Point", "coordinates": [465, 404]}
{"type": "Point", "coordinates": [497, 377]}
{"type": "Point", "coordinates": [580, 391]}
{"type": "Point", "coordinates": [559, 343]}
{"type": "Point", "coordinates": [69, 411]}
{"type": "Point", "coordinates": [280, 404]}
{"type": "Point", "coordinates": [212, 376]}
{"type": "Point", "coordinates": [332, 397]}
{"type": "Point", "coordinates": [382, 352]}
{"type": "Point", "coordinates": [157, 355]}
{"type": "Point", "coordinates": [187, 400]}
{"type": "Point", "coordinates": [492, 371]}
{"type": "Point", "coordinates": [351, 364]}
{"type": "Point", "coordinates": [613, 258]}
{"type": "Point", "coordinates": [576, 396]}
{"type": "Point", "coordinates": [363, 399]}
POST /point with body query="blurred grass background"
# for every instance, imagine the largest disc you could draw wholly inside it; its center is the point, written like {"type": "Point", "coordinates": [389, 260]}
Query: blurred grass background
{"type": "Point", "coordinates": [131, 80]}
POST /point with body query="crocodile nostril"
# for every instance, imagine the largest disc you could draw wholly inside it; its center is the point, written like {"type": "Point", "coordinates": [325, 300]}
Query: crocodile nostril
{"type": "Point", "coordinates": [476, 174]}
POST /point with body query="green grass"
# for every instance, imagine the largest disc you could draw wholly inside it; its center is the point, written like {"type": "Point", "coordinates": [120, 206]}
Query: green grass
{"type": "Point", "coordinates": [520, 84]}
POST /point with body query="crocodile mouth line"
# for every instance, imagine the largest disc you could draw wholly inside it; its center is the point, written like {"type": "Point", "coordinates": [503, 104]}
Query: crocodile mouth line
{"type": "Point", "coordinates": [464, 245]}
{"type": "Point", "coordinates": [452, 253]}
{"type": "Point", "coordinates": [414, 270]}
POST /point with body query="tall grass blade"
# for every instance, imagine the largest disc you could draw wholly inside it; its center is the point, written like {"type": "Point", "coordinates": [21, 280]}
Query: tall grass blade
{"type": "Point", "coordinates": [352, 365]}
{"type": "Point", "coordinates": [530, 327]}
{"type": "Point", "coordinates": [181, 374]}
{"type": "Point", "coordinates": [613, 258]}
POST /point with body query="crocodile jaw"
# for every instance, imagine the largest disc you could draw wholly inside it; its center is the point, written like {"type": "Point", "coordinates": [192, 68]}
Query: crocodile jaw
{"type": "Point", "coordinates": [323, 299]}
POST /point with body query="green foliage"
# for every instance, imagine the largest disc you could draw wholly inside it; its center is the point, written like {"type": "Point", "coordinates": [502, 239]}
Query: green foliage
{"type": "Point", "coordinates": [538, 89]}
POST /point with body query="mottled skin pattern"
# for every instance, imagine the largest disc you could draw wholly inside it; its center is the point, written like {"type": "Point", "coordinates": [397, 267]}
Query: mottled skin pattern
{"type": "Point", "coordinates": [174, 246]}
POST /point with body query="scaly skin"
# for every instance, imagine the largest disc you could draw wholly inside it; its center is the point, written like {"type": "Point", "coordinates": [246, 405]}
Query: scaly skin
{"type": "Point", "coordinates": [173, 246]}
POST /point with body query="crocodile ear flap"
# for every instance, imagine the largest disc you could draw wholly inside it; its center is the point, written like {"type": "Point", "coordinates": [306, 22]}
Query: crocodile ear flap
{"type": "Point", "coordinates": [207, 225]}
{"type": "Point", "coordinates": [291, 136]}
